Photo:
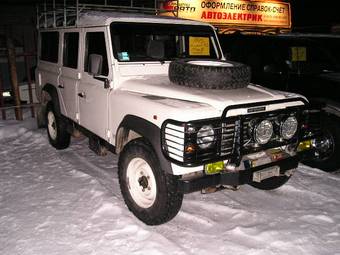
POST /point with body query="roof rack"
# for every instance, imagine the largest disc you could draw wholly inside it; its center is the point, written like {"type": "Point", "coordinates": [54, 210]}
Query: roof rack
{"type": "Point", "coordinates": [52, 14]}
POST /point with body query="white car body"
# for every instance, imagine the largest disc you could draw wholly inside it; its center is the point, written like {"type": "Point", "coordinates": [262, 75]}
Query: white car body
{"type": "Point", "coordinates": [139, 89]}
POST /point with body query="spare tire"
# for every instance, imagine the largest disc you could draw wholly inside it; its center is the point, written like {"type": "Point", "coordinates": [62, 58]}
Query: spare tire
{"type": "Point", "coordinates": [209, 74]}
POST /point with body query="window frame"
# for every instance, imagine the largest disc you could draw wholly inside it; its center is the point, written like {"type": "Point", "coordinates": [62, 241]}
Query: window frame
{"type": "Point", "coordinates": [64, 47]}
{"type": "Point", "coordinates": [86, 54]}
{"type": "Point", "coordinates": [41, 47]}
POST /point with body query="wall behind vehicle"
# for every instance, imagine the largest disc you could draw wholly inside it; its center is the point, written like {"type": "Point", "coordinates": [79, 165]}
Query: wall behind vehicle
{"type": "Point", "coordinates": [18, 22]}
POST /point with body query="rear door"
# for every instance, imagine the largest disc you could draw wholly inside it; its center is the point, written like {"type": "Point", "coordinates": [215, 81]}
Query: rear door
{"type": "Point", "coordinates": [49, 60]}
{"type": "Point", "coordinates": [70, 74]}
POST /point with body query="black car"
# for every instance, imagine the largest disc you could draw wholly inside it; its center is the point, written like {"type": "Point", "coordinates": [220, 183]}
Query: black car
{"type": "Point", "coordinates": [304, 64]}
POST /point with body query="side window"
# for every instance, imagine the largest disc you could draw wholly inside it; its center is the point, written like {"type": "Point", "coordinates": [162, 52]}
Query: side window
{"type": "Point", "coordinates": [95, 44]}
{"type": "Point", "coordinates": [49, 46]}
{"type": "Point", "coordinates": [70, 55]}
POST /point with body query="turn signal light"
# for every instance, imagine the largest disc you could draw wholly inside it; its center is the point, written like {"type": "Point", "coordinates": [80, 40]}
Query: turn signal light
{"type": "Point", "coordinates": [190, 149]}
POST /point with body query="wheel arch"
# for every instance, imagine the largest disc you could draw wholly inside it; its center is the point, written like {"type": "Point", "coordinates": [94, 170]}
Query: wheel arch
{"type": "Point", "coordinates": [133, 127]}
{"type": "Point", "coordinates": [49, 93]}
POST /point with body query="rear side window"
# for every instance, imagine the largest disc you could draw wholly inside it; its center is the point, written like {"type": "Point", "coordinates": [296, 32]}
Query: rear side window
{"type": "Point", "coordinates": [95, 44]}
{"type": "Point", "coordinates": [70, 55]}
{"type": "Point", "coordinates": [49, 46]}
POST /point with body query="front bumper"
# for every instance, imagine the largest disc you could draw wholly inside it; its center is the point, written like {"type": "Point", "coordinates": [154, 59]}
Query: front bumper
{"type": "Point", "coordinates": [234, 178]}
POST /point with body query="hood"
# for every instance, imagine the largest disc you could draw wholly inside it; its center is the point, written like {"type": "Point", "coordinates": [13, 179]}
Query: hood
{"type": "Point", "coordinates": [161, 86]}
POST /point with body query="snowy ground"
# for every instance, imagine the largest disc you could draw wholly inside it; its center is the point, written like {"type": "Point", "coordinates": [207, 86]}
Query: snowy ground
{"type": "Point", "coordinates": [68, 202]}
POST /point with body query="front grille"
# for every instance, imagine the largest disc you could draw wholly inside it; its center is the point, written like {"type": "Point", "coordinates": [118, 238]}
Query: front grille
{"type": "Point", "coordinates": [227, 138]}
{"type": "Point", "coordinates": [175, 138]}
{"type": "Point", "coordinates": [233, 137]}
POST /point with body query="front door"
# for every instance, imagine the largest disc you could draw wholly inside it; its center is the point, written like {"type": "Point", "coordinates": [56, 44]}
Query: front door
{"type": "Point", "coordinates": [92, 95]}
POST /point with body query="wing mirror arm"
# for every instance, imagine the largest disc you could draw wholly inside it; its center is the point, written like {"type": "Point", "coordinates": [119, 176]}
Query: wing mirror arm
{"type": "Point", "coordinates": [107, 82]}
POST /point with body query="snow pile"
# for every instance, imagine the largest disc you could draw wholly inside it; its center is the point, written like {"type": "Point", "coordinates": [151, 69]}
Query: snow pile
{"type": "Point", "coordinates": [68, 202]}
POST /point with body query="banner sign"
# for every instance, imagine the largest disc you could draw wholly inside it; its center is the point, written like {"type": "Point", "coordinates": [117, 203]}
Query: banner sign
{"type": "Point", "coordinates": [234, 12]}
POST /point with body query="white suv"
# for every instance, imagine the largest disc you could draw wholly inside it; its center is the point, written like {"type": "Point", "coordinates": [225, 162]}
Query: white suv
{"type": "Point", "coordinates": [158, 92]}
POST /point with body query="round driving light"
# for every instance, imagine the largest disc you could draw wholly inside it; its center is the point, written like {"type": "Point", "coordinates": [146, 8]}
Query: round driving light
{"type": "Point", "coordinates": [289, 127]}
{"type": "Point", "coordinates": [205, 136]}
{"type": "Point", "coordinates": [263, 131]}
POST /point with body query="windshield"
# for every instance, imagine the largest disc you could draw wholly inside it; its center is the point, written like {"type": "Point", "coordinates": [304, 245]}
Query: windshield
{"type": "Point", "coordinates": [149, 42]}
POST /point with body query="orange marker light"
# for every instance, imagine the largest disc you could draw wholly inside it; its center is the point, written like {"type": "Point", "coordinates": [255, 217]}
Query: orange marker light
{"type": "Point", "coordinates": [190, 148]}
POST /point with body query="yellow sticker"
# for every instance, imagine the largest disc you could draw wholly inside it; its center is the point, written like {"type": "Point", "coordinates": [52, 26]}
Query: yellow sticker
{"type": "Point", "coordinates": [199, 46]}
{"type": "Point", "coordinates": [299, 54]}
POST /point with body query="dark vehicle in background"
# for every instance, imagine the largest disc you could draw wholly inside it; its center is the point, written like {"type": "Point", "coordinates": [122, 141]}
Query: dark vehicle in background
{"type": "Point", "coordinates": [301, 64]}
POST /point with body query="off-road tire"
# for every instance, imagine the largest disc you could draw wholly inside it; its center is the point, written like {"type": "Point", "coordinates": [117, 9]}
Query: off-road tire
{"type": "Point", "coordinates": [167, 201]}
{"type": "Point", "coordinates": [209, 74]}
{"type": "Point", "coordinates": [330, 126]}
{"type": "Point", "coordinates": [57, 133]}
{"type": "Point", "coordinates": [271, 183]}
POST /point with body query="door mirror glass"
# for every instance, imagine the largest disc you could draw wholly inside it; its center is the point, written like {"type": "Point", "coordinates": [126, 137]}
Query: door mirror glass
{"type": "Point", "coordinates": [95, 64]}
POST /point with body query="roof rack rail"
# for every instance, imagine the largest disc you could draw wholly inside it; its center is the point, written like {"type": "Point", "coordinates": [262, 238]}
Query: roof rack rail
{"type": "Point", "coordinates": [52, 14]}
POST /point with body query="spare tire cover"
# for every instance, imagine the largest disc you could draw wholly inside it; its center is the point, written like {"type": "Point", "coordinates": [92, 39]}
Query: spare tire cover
{"type": "Point", "coordinates": [209, 74]}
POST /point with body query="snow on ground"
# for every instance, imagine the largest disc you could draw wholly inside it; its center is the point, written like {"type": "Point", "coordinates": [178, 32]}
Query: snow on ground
{"type": "Point", "coordinates": [68, 202]}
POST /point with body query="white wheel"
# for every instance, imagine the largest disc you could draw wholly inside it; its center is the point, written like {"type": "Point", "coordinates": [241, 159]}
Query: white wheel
{"type": "Point", "coordinates": [150, 193]}
{"type": "Point", "coordinates": [141, 182]}
{"type": "Point", "coordinates": [52, 125]}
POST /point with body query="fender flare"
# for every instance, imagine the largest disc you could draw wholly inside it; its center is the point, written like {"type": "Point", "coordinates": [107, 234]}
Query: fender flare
{"type": "Point", "coordinates": [52, 91]}
{"type": "Point", "coordinates": [151, 133]}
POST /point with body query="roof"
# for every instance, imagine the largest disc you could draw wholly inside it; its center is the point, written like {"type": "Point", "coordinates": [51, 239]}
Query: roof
{"type": "Point", "coordinates": [104, 18]}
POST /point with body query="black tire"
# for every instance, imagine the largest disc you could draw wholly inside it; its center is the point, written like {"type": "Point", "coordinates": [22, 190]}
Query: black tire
{"type": "Point", "coordinates": [271, 183]}
{"type": "Point", "coordinates": [57, 133]}
{"type": "Point", "coordinates": [209, 74]}
{"type": "Point", "coordinates": [167, 200]}
{"type": "Point", "coordinates": [329, 162]}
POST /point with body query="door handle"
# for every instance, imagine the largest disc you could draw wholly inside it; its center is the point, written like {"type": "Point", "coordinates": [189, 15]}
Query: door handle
{"type": "Point", "coordinates": [61, 86]}
{"type": "Point", "coordinates": [82, 94]}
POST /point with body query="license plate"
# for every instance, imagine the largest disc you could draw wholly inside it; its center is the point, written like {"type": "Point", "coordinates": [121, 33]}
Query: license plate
{"type": "Point", "coordinates": [266, 173]}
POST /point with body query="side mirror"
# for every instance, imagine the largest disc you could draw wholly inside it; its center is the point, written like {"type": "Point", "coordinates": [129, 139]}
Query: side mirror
{"type": "Point", "coordinates": [95, 64]}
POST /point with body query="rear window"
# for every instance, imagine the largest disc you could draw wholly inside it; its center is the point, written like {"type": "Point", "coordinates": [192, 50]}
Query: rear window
{"type": "Point", "coordinates": [49, 46]}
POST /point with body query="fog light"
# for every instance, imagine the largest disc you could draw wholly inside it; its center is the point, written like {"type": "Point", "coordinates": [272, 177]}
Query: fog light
{"type": "Point", "coordinates": [305, 145]}
{"type": "Point", "coordinates": [214, 168]}
{"type": "Point", "coordinates": [263, 131]}
{"type": "Point", "coordinates": [289, 128]}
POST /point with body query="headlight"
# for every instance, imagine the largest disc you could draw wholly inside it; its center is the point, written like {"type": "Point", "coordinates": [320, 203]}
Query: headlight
{"type": "Point", "coordinates": [288, 128]}
{"type": "Point", "coordinates": [263, 132]}
{"type": "Point", "coordinates": [205, 136]}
